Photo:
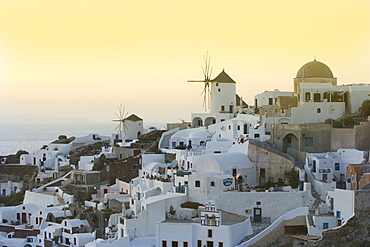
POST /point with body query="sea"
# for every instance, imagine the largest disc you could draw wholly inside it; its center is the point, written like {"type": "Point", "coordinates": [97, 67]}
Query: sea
{"type": "Point", "coordinates": [31, 137]}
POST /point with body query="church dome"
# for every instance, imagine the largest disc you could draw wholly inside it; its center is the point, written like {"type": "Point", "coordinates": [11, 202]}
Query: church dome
{"type": "Point", "coordinates": [315, 69]}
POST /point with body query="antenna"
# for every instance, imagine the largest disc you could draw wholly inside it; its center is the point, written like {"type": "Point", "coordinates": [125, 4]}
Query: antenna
{"type": "Point", "coordinates": [121, 127]}
{"type": "Point", "coordinates": [207, 72]}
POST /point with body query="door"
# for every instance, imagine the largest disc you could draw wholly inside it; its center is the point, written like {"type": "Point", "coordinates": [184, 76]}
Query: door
{"type": "Point", "coordinates": [24, 218]}
{"type": "Point", "coordinates": [257, 215]}
{"type": "Point", "coordinates": [289, 142]}
{"type": "Point", "coordinates": [262, 177]}
{"type": "Point", "coordinates": [209, 243]}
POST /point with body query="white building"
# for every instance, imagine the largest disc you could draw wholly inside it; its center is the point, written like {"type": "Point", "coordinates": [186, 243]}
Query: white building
{"type": "Point", "coordinates": [134, 126]}
{"type": "Point", "coordinates": [71, 232]}
{"type": "Point", "coordinates": [10, 188]}
{"type": "Point", "coordinates": [268, 98]}
{"type": "Point", "coordinates": [131, 128]}
{"type": "Point", "coordinates": [86, 163]}
{"type": "Point", "coordinates": [223, 103]}
{"type": "Point", "coordinates": [190, 144]}
{"type": "Point", "coordinates": [211, 231]}
{"type": "Point", "coordinates": [316, 98]}
{"type": "Point", "coordinates": [324, 169]}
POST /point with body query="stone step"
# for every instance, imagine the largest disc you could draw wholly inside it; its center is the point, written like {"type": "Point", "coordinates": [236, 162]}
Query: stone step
{"type": "Point", "coordinates": [310, 220]}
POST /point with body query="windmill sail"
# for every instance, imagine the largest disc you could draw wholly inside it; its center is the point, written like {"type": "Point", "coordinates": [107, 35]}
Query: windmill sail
{"type": "Point", "coordinates": [207, 72]}
{"type": "Point", "coordinates": [121, 127]}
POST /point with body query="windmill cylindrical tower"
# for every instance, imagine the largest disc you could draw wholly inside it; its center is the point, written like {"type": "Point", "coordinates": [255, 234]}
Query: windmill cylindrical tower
{"type": "Point", "coordinates": [223, 94]}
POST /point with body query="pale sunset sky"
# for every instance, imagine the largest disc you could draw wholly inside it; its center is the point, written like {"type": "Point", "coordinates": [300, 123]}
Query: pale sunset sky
{"type": "Point", "coordinates": [83, 58]}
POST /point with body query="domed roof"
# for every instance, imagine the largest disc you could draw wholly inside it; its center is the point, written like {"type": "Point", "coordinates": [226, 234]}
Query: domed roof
{"type": "Point", "coordinates": [315, 69]}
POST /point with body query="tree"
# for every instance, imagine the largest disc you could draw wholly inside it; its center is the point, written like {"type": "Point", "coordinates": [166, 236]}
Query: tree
{"type": "Point", "coordinates": [292, 177]}
{"type": "Point", "coordinates": [100, 163]}
{"type": "Point", "coordinates": [365, 109]}
{"type": "Point", "coordinates": [348, 121]}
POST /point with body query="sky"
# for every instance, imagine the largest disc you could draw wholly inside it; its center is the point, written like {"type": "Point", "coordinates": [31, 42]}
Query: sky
{"type": "Point", "coordinates": [84, 58]}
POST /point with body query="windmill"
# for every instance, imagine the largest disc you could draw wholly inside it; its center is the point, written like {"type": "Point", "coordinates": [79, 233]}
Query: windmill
{"type": "Point", "coordinates": [207, 71]}
{"type": "Point", "coordinates": [121, 127]}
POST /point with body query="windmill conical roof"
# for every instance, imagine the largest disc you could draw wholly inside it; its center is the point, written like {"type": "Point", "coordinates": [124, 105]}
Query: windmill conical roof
{"type": "Point", "coordinates": [223, 78]}
{"type": "Point", "coordinates": [133, 118]}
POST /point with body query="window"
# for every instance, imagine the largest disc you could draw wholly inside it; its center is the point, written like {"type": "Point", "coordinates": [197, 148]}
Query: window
{"type": "Point", "coordinates": [229, 127]}
{"type": "Point", "coordinates": [197, 183]}
{"type": "Point", "coordinates": [262, 173]}
{"type": "Point", "coordinates": [29, 240]}
{"type": "Point", "coordinates": [220, 244]}
{"type": "Point", "coordinates": [222, 108]}
{"type": "Point", "coordinates": [337, 166]}
{"type": "Point", "coordinates": [219, 90]}
{"type": "Point", "coordinates": [245, 128]}
{"type": "Point", "coordinates": [270, 101]}
{"type": "Point", "coordinates": [231, 108]}
{"type": "Point", "coordinates": [216, 84]}
{"type": "Point", "coordinates": [256, 135]}
{"type": "Point", "coordinates": [338, 215]}
{"type": "Point", "coordinates": [185, 244]}
{"type": "Point", "coordinates": [175, 244]}
{"type": "Point", "coordinates": [325, 225]}
{"type": "Point", "coordinates": [234, 172]}
{"type": "Point", "coordinates": [173, 144]}
{"type": "Point", "coordinates": [212, 183]}
{"type": "Point", "coordinates": [307, 96]}
{"type": "Point", "coordinates": [164, 243]}
{"type": "Point", "coordinates": [316, 97]}
{"type": "Point", "coordinates": [238, 127]}
{"type": "Point", "coordinates": [308, 141]}
{"type": "Point", "coordinates": [105, 191]}
{"type": "Point", "coordinates": [210, 233]}
{"type": "Point", "coordinates": [318, 110]}
{"type": "Point", "coordinates": [222, 120]}
{"type": "Point", "coordinates": [199, 243]}
{"type": "Point", "coordinates": [258, 203]}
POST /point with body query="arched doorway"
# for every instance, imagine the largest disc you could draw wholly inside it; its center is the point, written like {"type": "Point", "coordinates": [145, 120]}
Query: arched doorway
{"type": "Point", "coordinates": [209, 121]}
{"type": "Point", "coordinates": [197, 122]}
{"type": "Point", "coordinates": [290, 141]}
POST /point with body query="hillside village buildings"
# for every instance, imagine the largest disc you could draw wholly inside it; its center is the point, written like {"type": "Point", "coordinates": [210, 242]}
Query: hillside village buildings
{"type": "Point", "coordinates": [274, 165]}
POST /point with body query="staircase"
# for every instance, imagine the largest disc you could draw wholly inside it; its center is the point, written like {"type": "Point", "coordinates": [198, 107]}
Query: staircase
{"type": "Point", "coordinates": [315, 205]}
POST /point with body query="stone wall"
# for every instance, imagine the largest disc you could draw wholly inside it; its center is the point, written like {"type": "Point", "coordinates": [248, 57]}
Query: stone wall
{"type": "Point", "coordinates": [123, 170]}
{"type": "Point", "coordinates": [342, 138]}
{"type": "Point", "coordinates": [16, 173]}
{"type": "Point", "coordinates": [362, 200]}
{"type": "Point", "coordinates": [275, 164]}
{"type": "Point", "coordinates": [276, 234]}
